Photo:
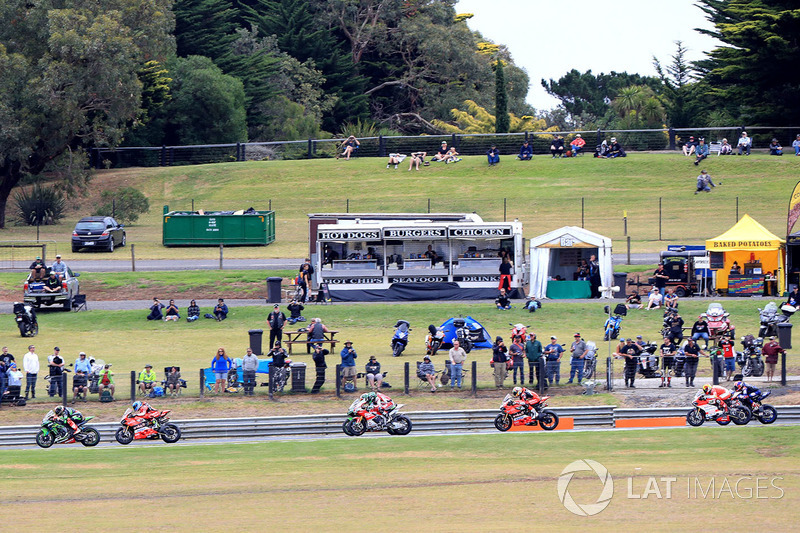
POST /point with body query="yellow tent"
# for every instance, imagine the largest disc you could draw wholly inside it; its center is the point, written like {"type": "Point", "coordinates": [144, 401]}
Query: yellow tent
{"type": "Point", "coordinates": [746, 242]}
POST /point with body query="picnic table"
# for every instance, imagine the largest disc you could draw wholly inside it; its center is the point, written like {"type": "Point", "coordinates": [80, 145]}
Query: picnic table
{"type": "Point", "coordinates": [294, 337]}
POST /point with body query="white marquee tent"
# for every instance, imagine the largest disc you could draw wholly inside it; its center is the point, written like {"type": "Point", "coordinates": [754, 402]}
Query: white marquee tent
{"type": "Point", "coordinates": [555, 253]}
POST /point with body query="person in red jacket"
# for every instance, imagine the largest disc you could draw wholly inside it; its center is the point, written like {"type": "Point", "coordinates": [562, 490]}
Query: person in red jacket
{"type": "Point", "coordinates": [771, 351]}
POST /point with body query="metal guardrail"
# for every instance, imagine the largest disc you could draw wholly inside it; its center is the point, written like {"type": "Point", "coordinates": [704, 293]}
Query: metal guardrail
{"type": "Point", "coordinates": [331, 424]}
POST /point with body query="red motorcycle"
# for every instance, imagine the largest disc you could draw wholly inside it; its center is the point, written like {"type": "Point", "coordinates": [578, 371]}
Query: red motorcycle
{"type": "Point", "coordinates": [516, 412]}
{"type": "Point", "coordinates": [361, 418]}
{"type": "Point", "coordinates": [720, 411]}
{"type": "Point", "coordinates": [151, 425]}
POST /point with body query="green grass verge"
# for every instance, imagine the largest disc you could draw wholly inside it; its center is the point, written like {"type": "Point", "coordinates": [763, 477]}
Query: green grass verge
{"type": "Point", "coordinates": [544, 194]}
{"type": "Point", "coordinates": [443, 483]}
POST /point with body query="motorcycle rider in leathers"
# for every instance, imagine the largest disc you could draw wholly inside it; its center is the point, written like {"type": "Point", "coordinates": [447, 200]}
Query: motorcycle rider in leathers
{"type": "Point", "coordinates": [528, 397]}
{"type": "Point", "coordinates": [378, 403]}
{"type": "Point", "coordinates": [66, 417]}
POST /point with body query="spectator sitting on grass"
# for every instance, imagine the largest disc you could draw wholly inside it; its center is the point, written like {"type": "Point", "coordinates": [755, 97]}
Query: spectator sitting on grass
{"type": "Point", "coordinates": [701, 151]}
{"type": "Point", "coordinates": [725, 148]}
{"type": "Point", "coordinates": [172, 312]}
{"type": "Point", "coordinates": [493, 154]}
{"type": "Point", "coordinates": [502, 301]}
{"type": "Point", "coordinates": [155, 310]}
{"type": "Point", "coordinates": [296, 309]}
{"type": "Point", "coordinates": [775, 147]}
{"type": "Point", "coordinates": [442, 154]}
{"type": "Point", "coordinates": [654, 299]}
{"type": "Point", "coordinates": [796, 145]}
{"type": "Point", "coordinates": [395, 159]}
{"type": "Point", "coordinates": [193, 312]}
{"type": "Point", "coordinates": [633, 301]}
{"type": "Point", "coordinates": [221, 310]}
{"type": "Point", "coordinates": [417, 159]}
{"type": "Point", "coordinates": [452, 156]}
{"type": "Point", "coordinates": [615, 149]}
{"type": "Point", "coordinates": [525, 152]}
{"type": "Point", "coordinates": [557, 146]}
{"type": "Point", "coordinates": [704, 182]}
{"type": "Point", "coordinates": [689, 147]}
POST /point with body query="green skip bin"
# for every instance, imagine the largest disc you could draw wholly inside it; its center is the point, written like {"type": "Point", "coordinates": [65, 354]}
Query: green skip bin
{"type": "Point", "coordinates": [212, 228]}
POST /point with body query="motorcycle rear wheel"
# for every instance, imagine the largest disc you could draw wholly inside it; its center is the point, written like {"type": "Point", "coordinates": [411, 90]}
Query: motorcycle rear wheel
{"type": "Point", "coordinates": [695, 418]}
{"type": "Point", "coordinates": [357, 427]}
{"type": "Point", "coordinates": [503, 422]}
{"type": "Point", "coordinates": [45, 440]}
{"type": "Point", "coordinates": [91, 438]}
{"type": "Point", "coordinates": [405, 426]}
{"type": "Point", "coordinates": [124, 435]}
{"type": "Point", "coordinates": [768, 414]}
{"type": "Point", "coordinates": [170, 433]}
{"type": "Point", "coordinates": [740, 415]}
{"type": "Point", "coordinates": [548, 420]}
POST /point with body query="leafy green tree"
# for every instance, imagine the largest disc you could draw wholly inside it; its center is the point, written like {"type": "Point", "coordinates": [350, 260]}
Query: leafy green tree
{"type": "Point", "coordinates": [69, 79]}
{"type": "Point", "coordinates": [752, 75]}
{"type": "Point", "coordinates": [125, 204]}
{"type": "Point", "coordinates": [500, 100]}
{"type": "Point", "coordinates": [681, 97]}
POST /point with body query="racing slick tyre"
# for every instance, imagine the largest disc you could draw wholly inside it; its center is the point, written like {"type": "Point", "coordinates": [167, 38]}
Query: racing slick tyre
{"type": "Point", "coordinates": [45, 440]}
{"type": "Point", "coordinates": [124, 435]}
{"type": "Point", "coordinates": [170, 433]}
{"type": "Point", "coordinates": [548, 420]}
{"type": "Point", "coordinates": [768, 414]}
{"type": "Point", "coordinates": [346, 428]}
{"type": "Point", "coordinates": [740, 415]}
{"type": "Point", "coordinates": [404, 426]}
{"type": "Point", "coordinates": [357, 427]}
{"type": "Point", "coordinates": [503, 422]}
{"type": "Point", "coordinates": [91, 437]}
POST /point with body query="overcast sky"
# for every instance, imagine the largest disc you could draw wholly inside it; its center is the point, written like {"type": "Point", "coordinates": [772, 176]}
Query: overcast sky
{"type": "Point", "coordinates": [550, 38]}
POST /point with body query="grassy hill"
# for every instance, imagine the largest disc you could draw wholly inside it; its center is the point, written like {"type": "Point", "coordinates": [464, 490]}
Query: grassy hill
{"type": "Point", "coordinates": [544, 194]}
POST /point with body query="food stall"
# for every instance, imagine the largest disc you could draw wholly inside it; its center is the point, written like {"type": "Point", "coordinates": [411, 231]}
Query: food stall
{"type": "Point", "coordinates": [555, 256]}
{"type": "Point", "coordinates": [413, 256]}
{"type": "Point", "coordinates": [757, 251]}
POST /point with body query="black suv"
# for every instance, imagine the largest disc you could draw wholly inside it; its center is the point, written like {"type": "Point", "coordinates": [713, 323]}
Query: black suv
{"type": "Point", "coordinates": [98, 232]}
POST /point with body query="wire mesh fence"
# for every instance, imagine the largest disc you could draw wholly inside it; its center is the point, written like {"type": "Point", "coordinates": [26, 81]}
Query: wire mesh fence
{"type": "Point", "coordinates": [20, 254]}
{"type": "Point", "coordinates": [465, 144]}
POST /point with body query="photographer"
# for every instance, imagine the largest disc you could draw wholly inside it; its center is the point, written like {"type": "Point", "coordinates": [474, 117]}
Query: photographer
{"type": "Point", "coordinates": [348, 367]}
{"type": "Point", "coordinates": [155, 310]}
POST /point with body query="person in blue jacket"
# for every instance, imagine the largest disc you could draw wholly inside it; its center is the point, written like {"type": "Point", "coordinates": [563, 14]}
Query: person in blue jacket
{"type": "Point", "coordinates": [525, 152]}
{"type": "Point", "coordinates": [348, 368]}
{"type": "Point", "coordinates": [220, 365]}
{"type": "Point", "coordinates": [701, 151]}
{"type": "Point", "coordinates": [494, 155]}
{"type": "Point", "coordinates": [221, 310]}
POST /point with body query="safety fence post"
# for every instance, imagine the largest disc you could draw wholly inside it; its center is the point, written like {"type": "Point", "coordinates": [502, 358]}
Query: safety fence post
{"type": "Point", "coordinates": [783, 368]}
{"type": "Point", "coordinates": [609, 374]}
{"type": "Point", "coordinates": [202, 383]}
{"type": "Point", "coordinates": [271, 382]}
{"type": "Point", "coordinates": [474, 378]}
{"type": "Point", "coordinates": [542, 374]}
{"type": "Point", "coordinates": [338, 381]}
{"type": "Point", "coordinates": [133, 386]}
{"type": "Point", "coordinates": [64, 389]}
{"type": "Point", "coordinates": [406, 370]}
{"type": "Point", "coordinates": [714, 370]}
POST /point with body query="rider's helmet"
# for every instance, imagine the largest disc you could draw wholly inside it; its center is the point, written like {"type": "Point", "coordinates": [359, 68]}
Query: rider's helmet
{"type": "Point", "coordinates": [739, 385]}
{"type": "Point", "coordinates": [59, 410]}
{"type": "Point", "coordinates": [136, 405]}
{"type": "Point", "coordinates": [516, 392]}
{"type": "Point", "coordinates": [706, 388]}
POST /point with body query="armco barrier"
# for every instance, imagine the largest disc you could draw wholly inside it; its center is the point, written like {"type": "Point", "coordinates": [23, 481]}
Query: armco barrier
{"type": "Point", "coordinates": [331, 424]}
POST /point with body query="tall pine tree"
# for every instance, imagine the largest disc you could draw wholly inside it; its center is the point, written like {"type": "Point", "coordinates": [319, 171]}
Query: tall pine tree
{"type": "Point", "coordinates": [502, 121]}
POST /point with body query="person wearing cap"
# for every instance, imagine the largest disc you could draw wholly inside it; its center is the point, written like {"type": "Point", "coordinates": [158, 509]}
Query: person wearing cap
{"type": "Point", "coordinates": [318, 355]}
{"type": "Point", "coordinates": [533, 351]}
{"type": "Point", "coordinates": [645, 359]}
{"type": "Point", "coordinates": [14, 380]}
{"type": "Point", "coordinates": [220, 310]}
{"type": "Point", "coordinates": [441, 155]}
{"type": "Point", "coordinates": [373, 373]}
{"type": "Point", "coordinates": [725, 148]}
{"type": "Point", "coordinates": [348, 366]}
{"type": "Point", "coordinates": [690, 146]}
{"type": "Point", "coordinates": [59, 267]}
{"type": "Point", "coordinates": [52, 283]}
{"type": "Point", "coordinates": [278, 355]}
{"type": "Point", "coordinates": [577, 144]}
{"type": "Point", "coordinates": [296, 312]}
{"type": "Point", "coordinates": [30, 364]}
{"type": "Point", "coordinates": [552, 354]}
{"type": "Point", "coordinates": [147, 379]}
{"type": "Point", "coordinates": [525, 151]}
{"type": "Point", "coordinates": [82, 363]}
{"type": "Point", "coordinates": [775, 147]}
{"type": "Point", "coordinates": [630, 352]}
{"type": "Point", "coordinates": [771, 352]}
{"type": "Point", "coordinates": [578, 350]}
{"type": "Point", "coordinates": [276, 320]}
{"type": "Point", "coordinates": [744, 144]}
{"type": "Point", "coordinates": [38, 269]}
{"type": "Point", "coordinates": [457, 358]}
{"type": "Point", "coordinates": [701, 151]}
{"type": "Point", "coordinates": [249, 368]}
{"type": "Point", "coordinates": [615, 149]}
{"type": "Point", "coordinates": [426, 372]}
{"type": "Point", "coordinates": [493, 155]}
{"type": "Point", "coordinates": [499, 362]}
{"type": "Point", "coordinates": [106, 381]}
{"type": "Point", "coordinates": [55, 365]}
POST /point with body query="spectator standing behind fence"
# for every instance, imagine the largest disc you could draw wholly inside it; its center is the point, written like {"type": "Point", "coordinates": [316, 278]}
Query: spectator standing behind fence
{"type": "Point", "coordinates": [692, 352]}
{"type": "Point", "coordinates": [701, 151]}
{"type": "Point", "coordinates": [318, 355]}
{"type": "Point", "coordinates": [55, 365]}
{"type": "Point", "coordinates": [578, 350]}
{"type": "Point", "coordinates": [775, 147]}
{"type": "Point", "coordinates": [5, 364]}
{"type": "Point", "coordinates": [349, 147]}
{"type": "Point", "coordinates": [499, 362]}
{"type": "Point", "coordinates": [493, 155]}
{"type": "Point", "coordinates": [630, 352]}
{"type": "Point", "coordinates": [771, 351]}
{"type": "Point", "coordinates": [30, 363]}
{"type": "Point", "coordinates": [220, 365]}
{"type": "Point", "coordinates": [552, 353]}
{"type": "Point", "coordinates": [348, 366]}
{"type": "Point", "coordinates": [517, 354]}
{"type": "Point", "coordinates": [533, 351]}
{"type": "Point", "coordinates": [457, 358]}
{"type": "Point", "coordinates": [796, 145]}
{"type": "Point", "coordinates": [744, 144]}
{"type": "Point", "coordinates": [526, 152]}
{"type": "Point", "coordinates": [155, 310]}
{"type": "Point", "coordinates": [577, 145]}
{"type": "Point", "coordinates": [249, 367]}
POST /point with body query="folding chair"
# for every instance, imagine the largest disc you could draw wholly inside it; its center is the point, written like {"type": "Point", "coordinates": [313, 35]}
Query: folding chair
{"type": "Point", "coordinates": [79, 303]}
{"type": "Point", "coordinates": [715, 147]}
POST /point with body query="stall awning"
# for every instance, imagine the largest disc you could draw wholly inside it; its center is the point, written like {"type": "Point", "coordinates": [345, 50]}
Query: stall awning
{"type": "Point", "coordinates": [747, 234]}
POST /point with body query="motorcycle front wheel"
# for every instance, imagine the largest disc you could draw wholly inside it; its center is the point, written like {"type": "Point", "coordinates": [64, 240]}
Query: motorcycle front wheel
{"type": "Point", "coordinates": [357, 427]}
{"type": "Point", "coordinates": [747, 370]}
{"type": "Point", "coordinates": [404, 426]}
{"type": "Point", "coordinates": [768, 414]}
{"type": "Point", "coordinates": [588, 372]}
{"type": "Point", "coordinates": [503, 422]}
{"type": "Point", "coordinates": [397, 349]}
{"type": "Point", "coordinates": [548, 420]}
{"type": "Point", "coordinates": [434, 348]}
{"type": "Point", "coordinates": [170, 433]}
{"type": "Point", "coordinates": [740, 415]}
{"type": "Point", "coordinates": [45, 440]}
{"type": "Point", "coordinates": [91, 437]}
{"type": "Point", "coordinates": [124, 435]}
{"type": "Point", "coordinates": [695, 418]}
{"type": "Point", "coordinates": [346, 428]}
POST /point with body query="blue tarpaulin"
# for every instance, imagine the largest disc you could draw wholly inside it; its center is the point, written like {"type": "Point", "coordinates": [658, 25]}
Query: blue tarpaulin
{"type": "Point", "coordinates": [474, 326]}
